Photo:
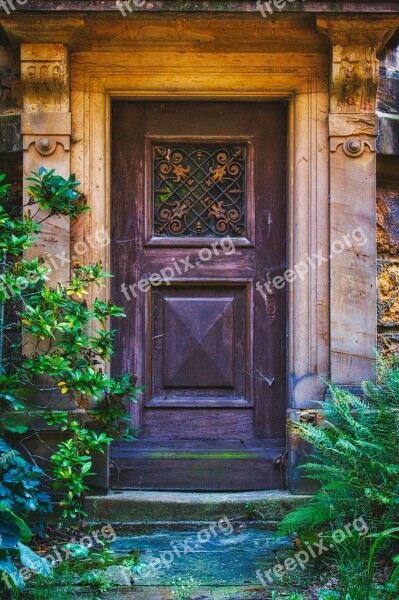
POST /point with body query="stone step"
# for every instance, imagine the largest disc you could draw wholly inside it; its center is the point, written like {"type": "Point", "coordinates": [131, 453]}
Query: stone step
{"type": "Point", "coordinates": [228, 592]}
{"type": "Point", "coordinates": [179, 507]}
{"type": "Point", "coordinates": [217, 561]}
{"type": "Point", "coordinates": [198, 546]}
{"type": "Point", "coordinates": [201, 593]}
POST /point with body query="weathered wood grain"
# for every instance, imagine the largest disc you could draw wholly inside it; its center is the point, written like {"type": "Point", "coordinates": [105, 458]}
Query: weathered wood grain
{"type": "Point", "coordinates": [205, 340]}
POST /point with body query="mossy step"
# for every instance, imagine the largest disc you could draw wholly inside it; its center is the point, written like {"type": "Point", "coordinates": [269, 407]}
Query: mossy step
{"type": "Point", "coordinates": [229, 592]}
{"type": "Point", "coordinates": [219, 562]}
{"type": "Point", "coordinates": [201, 593]}
{"type": "Point", "coordinates": [136, 506]}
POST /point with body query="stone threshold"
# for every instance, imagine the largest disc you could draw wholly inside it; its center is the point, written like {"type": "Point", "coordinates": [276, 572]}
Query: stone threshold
{"type": "Point", "coordinates": [176, 507]}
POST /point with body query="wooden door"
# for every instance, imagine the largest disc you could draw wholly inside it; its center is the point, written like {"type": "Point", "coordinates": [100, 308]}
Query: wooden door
{"type": "Point", "coordinates": [198, 225]}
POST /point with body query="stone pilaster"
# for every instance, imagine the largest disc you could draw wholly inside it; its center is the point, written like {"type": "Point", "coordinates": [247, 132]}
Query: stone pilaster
{"type": "Point", "coordinates": [352, 134]}
{"type": "Point", "coordinates": [46, 130]}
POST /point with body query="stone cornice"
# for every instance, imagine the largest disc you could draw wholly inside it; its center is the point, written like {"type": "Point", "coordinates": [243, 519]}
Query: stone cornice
{"type": "Point", "coordinates": [85, 31]}
{"type": "Point", "coordinates": [194, 32]}
{"type": "Point", "coordinates": [214, 6]}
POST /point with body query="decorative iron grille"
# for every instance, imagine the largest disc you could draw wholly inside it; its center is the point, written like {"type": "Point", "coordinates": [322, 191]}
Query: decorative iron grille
{"type": "Point", "coordinates": [199, 191]}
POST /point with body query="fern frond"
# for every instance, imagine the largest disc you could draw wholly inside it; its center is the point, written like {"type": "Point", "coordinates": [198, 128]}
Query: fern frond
{"type": "Point", "coordinates": [305, 517]}
{"type": "Point", "coordinates": [356, 458]}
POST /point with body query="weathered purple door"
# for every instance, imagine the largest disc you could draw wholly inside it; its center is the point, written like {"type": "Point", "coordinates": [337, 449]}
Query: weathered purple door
{"type": "Point", "coordinates": [198, 224]}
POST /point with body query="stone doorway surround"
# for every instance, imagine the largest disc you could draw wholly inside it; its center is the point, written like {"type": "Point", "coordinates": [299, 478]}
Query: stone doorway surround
{"type": "Point", "coordinates": [324, 66]}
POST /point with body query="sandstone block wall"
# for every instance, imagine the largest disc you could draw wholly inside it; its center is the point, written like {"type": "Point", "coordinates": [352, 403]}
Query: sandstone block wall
{"type": "Point", "coordinates": [388, 201]}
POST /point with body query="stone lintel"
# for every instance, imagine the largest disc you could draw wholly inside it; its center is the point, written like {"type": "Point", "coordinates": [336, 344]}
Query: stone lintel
{"type": "Point", "coordinates": [204, 6]}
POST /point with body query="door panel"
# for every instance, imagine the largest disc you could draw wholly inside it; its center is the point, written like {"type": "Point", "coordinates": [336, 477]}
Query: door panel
{"type": "Point", "coordinates": [198, 219]}
{"type": "Point", "coordinates": [198, 343]}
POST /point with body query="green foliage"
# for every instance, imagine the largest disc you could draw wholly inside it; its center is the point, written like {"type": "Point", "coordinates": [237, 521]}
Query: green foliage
{"type": "Point", "coordinates": [391, 587]}
{"type": "Point", "coordinates": [53, 341]}
{"type": "Point", "coordinates": [357, 459]}
{"type": "Point", "coordinates": [72, 463]}
{"type": "Point", "coordinates": [97, 580]}
{"type": "Point", "coordinates": [355, 581]}
{"type": "Point", "coordinates": [356, 463]}
{"type": "Point", "coordinates": [13, 534]}
{"type": "Point", "coordinates": [20, 483]}
{"type": "Point", "coordinates": [56, 194]}
{"type": "Point", "coordinates": [95, 570]}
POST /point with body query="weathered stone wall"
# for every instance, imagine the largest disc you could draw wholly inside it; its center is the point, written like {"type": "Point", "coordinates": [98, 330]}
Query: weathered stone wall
{"type": "Point", "coordinates": [10, 110]}
{"type": "Point", "coordinates": [388, 201]}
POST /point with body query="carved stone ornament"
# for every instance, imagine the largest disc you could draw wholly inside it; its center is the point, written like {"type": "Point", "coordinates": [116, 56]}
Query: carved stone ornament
{"type": "Point", "coordinates": [353, 147]}
{"type": "Point", "coordinates": [46, 145]}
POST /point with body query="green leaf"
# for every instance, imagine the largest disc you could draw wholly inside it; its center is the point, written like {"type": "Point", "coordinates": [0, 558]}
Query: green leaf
{"type": "Point", "coordinates": [9, 531]}
{"type": "Point", "coordinates": [12, 528]}
{"type": "Point", "coordinates": [13, 572]}
{"type": "Point", "coordinates": [33, 561]}
{"type": "Point", "coordinates": [17, 428]}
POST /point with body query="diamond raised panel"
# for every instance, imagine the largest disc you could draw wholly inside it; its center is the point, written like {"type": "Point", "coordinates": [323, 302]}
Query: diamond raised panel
{"type": "Point", "coordinates": [199, 342]}
{"type": "Point", "coordinates": [199, 348]}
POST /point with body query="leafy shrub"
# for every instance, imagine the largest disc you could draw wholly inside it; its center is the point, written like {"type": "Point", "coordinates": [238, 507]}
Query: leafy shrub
{"type": "Point", "coordinates": [53, 341]}
{"type": "Point", "coordinates": [20, 483]}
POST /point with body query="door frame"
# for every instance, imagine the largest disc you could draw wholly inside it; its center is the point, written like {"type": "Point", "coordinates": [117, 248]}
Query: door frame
{"type": "Point", "coordinates": [302, 81]}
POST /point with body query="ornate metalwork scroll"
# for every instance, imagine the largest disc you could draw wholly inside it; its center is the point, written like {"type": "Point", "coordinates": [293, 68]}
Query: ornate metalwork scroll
{"type": "Point", "coordinates": [199, 190]}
